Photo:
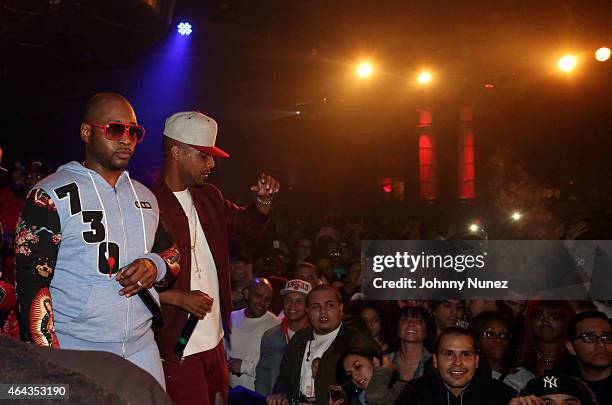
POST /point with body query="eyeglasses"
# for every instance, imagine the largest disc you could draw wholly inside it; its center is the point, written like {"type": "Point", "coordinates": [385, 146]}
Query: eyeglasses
{"type": "Point", "coordinates": [491, 334]}
{"type": "Point", "coordinates": [113, 131]}
{"type": "Point", "coordinates": [590, 337]}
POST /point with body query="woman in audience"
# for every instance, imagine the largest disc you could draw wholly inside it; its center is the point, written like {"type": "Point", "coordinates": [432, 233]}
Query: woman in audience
{"type": "Point", "coordinates": [495, 342]}
{"type": "Point", "coordinates": [546, 325]}
{"type": "Point", "coordinates": [352, 281]}
{"type": "Point", "coordinates": [372, 319]}
{"type": "Point", "coordinates": [359, 367]}
{"type": "Point", "coordinates": [415, 329]}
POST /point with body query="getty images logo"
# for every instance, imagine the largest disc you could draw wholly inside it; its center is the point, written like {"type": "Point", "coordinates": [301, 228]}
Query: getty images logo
{"type": "Point", "coordinates": [550, 382]}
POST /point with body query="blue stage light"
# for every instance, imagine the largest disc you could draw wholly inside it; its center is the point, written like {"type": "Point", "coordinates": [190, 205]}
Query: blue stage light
{"type": "Point", "coordinates": [184, 28]}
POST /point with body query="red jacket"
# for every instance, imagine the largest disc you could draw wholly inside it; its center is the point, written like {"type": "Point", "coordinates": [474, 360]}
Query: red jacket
{"type": "Point", "coordinates": [221, 221]}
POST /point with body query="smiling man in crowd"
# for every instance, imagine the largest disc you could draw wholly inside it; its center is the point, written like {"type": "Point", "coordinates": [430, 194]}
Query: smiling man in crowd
{"type": "Point", "coordinates": [457, 380]}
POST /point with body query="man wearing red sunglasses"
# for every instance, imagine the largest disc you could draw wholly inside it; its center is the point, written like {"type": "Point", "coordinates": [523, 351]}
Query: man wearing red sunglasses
{"type": "Point", "coordinates": [88, 240]}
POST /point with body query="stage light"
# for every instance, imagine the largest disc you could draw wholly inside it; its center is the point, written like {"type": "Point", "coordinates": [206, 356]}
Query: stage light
{"type": "Point", "coordinates": [602, 54]}
{"type": "Point", "coordinates": [184, 28]}
{"type": "Point", "coordinates": [567, 63]}
{"type": "Point", "coordinates": [424, 78]}
{"type": "Point", "coordinates": [516, 216]}
{"type": "Point", "coordinates": [365, 69]}
{"type": "Point", "coordinates": [474, 228]}
{"type": "Point", "coordinates": [298, 112]}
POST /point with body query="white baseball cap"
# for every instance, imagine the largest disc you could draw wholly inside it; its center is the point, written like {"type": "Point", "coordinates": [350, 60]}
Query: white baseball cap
{"type": "Point", "coordinates": [196, 130]}
{"type": "Point", "coordinates": [299, 286]}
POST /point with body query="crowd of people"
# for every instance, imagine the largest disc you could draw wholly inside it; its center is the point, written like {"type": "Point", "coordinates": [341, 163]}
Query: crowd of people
{"type": "Point", "coordinates": [95, 261]}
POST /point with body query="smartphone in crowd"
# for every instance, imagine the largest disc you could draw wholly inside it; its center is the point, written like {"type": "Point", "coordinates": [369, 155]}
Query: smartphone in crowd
{"type": "Point", "coordinates": [336, 393]}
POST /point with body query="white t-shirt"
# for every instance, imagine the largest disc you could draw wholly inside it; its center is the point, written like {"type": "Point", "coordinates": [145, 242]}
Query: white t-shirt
{"type": "Point", "coordinates": [290, 332]}
{"type": "Point", "coordinates": [208, 332]}
{"type": "Point", "coordinates": [245, 344]}
{"type": "Point", "coordinates": [314, 349]}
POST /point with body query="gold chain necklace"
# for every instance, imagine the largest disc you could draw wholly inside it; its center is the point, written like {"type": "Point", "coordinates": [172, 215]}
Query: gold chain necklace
{"type": "Point", "coordinates": [194, 240]}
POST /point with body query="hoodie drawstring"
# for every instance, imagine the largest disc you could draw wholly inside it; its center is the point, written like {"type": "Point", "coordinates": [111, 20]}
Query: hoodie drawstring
{"type": "Point", "coordinates": [106, 253]}
{"type": "Point", "coordinates": [448, 397]}
{"type": "Point", "coordinates": [144, 234]}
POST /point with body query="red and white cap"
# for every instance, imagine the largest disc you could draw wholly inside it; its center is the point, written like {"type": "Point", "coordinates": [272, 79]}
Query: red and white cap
{"type": "Point", "coordinates": [299, 286]}
{"type": "Point", "coordinates": [196, 130]}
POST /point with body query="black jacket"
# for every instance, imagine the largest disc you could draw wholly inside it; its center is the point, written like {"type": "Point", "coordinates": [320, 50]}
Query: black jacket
{"type": "Point", "coordinates": [430, 390]}
{"type": "Point", "coordinates": [288, 382]}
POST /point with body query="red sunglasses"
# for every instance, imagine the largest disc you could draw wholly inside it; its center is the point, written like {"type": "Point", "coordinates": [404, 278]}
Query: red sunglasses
{"type": "Point", "coordinates": [113, 131]}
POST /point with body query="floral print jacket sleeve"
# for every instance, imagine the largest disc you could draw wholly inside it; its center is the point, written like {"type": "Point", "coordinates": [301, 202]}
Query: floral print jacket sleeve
{"type": "Point", "coordinates": [37, 241]}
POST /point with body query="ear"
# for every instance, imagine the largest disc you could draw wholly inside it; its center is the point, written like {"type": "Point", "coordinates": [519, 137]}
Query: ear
{"type": "Point", "coordinates": [477, 360]}
{"type": "Point", "coordinates": [376, 362]}
{"type": "Point", "coordinates": [435, 360]}
{"type": "Point", "coordinates": [245, 294]}
{"type": "Point", "coordinates": [175, 152]}
{"type": "Point", "coordinates": [341, 309]}
{"type": "Point", "coordinates": [85, 132]}
{"type": "Point", "coordinates": [570, 347]}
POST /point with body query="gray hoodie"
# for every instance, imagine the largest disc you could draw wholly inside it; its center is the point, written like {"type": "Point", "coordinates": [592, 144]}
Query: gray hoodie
{"type": "Point", "coordinates": [104, 229]}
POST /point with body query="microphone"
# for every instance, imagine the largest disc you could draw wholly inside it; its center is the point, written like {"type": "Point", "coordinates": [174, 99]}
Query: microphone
{"type": "Point", "coordinates": [151, 304]}
{"type": "Point", "coordinates": [148, 300]}
{"type": "Point", "coordinates": [185, 335]}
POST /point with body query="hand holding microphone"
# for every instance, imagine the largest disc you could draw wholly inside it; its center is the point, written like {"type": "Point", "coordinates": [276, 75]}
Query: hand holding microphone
{"type": "Point", "coordinates": [198, 304]}
{"type": "Point", "coordinates": [137, 278]}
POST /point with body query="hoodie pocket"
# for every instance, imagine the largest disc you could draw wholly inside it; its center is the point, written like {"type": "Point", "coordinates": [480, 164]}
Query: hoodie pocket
{"type": "Point", "coordinates": [103, 316]}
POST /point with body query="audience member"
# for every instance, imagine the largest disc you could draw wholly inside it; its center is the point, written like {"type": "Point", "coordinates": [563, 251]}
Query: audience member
{"type": "Point", "coordinates": [414, 329]}
{"type": "Point", "coordinates": [248, 326]}
{"type": "Point", "coordinates": [372, 319]}
{"type": "Point", "coordinates": [308, 272]}
{"type": "Point", "coordinates": [360, 366]}
{"type": "Point", "coordinates": [495, 342]}
{"type": "Point", "coordinates": [456, 382]}
{"type": "Point", "coordinates": [475, 306]}
{"type": "Point", "coordinates": [326, 339]}
{"type": "Point", "coordinates": [352, 282]}
{"type": "Point", "coordinates": [302, 251]}
{"type": "Point", "coordinates": [241, 274]}
{"type": "Point", "coordinates": [555, 389]}
{"type": "Point", "coordinates": [446, 313]}
{"type": "Point", "coordinates": [590, 341]}
{"type": "Point", "coordinates": [275, 339]}
{"type": "Point", "coordinates": [545, 333]}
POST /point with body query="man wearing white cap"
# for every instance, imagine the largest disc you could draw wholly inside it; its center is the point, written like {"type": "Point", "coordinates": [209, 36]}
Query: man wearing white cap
{"type": "Point", "coordinates": [274, 341]}
{"type": "Point", "coordinates": [202, 222]}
